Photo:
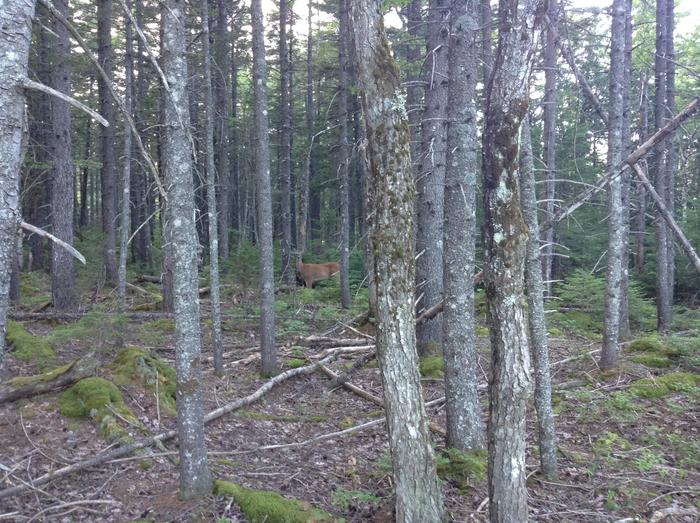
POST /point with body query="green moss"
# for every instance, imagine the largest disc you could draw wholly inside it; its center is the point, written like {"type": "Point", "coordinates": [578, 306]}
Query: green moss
{"type": "Point", "coordinates": [27, 347]}
{"type": "Point", "coordinates": [21, 381]}
{"type": "Point", "coordinates": [133, 364]}
{"type": "Point", "coordinates": [432, 366]}
{"type": "Point", "coordinates": [164, 325]}
{"type": "Point", "coordinates": [295, 363]}
{"type": "Point", "coordinates": [269, 507]}
{"type": "Point", "coordinates": [265, 416]}
{"type": "Point", "coordinates": [463, 468]}
{"type": "Point", "coordinates": [656, 345]}
{"type": "Point", "coordinates": [98, 399]}
{"type": "Point", "coordinates": [658, 387]}
{"type": "Point", "coordinates": [98, 327]}
{"type": "Point", "coordinates": [145, 464]}
{"type": "Point", "coordinates": [351, 499]}
{"type": "Point", "coordinates": [652, 360]}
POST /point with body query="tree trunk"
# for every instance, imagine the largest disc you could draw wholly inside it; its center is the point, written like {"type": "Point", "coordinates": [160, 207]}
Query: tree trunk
{"type": "Point", "coordinates": [211, 197]}
{"type": "Point", "coordinates": [640, 219]}
{"type": "Point", "coordinates": [431, 179]}
{"type": "Point", "coordinates": [417, 491]}
{"type": "Point", "coordinates": [535, 306]}
{"type": "Point", "coordinates": [464, 426]}
{"type": "Point", "coordinates": [221, 127]}
{"type": "Point", "coordinates": [550, 137]}
{"type": "Point", "coordinates": [195, 478]}
{"type": "Point", "coordinates": [62, 194]}
{"type": "Point", "coordinates": [108, 177]}
{"type": "Point", "coordinates": [285, 147]}
{"type": "Point", "coordinates": [344, 154]}
{"type": "Point", "coordinates": [672, 148]}
{"type": "Point", "coordinates": [616, 250]}
{"type": "Point", "coordinates": [303, 215]}
{"type": "Point", "coordinates": [84, 176]}
{"type": "Point", "coordinates": [15, 37]}
{"type": "Point", "coordinates": [505, 235]}
{"type": "Point", "coordinates": [268, 351]}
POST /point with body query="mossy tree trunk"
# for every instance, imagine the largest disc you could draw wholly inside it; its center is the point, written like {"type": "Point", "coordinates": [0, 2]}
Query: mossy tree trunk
{"type": "Point", "coordinates": [195, 478]}
{"type": "Point", "coordinates": [505, 235]}
{"type": "Point", "coordinates": [464, 426]}
{"type": "Point", "coordinates": [15, 37]}
{"type": "Point", "coordinates": [390, 182]}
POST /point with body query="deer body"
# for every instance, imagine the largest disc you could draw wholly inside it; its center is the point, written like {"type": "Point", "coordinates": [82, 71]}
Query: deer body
{"type": "Point", "coordinates": [313, 272]}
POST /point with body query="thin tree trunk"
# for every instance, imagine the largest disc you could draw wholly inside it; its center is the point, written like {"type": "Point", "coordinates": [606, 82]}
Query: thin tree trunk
{"type": "Point", "coordinates": [211, 197]}
{"type": "Point", "coordinates": [506, 235]}
{"type": "Point", "coordinates": [285, 150]}
{"type": "Point", "coordinates": [108, 177]}
{"type": "Point", "coordinates": [640, 220]}
{"type": "Point", "coordinates": [536, 317]}
{"type": "Point", "coordinates": [221, 127]}
{"type": "Point", "coordinates": [415, 481]}
{"type": "Point", "coordinates": [672, 147]}
{"type": "Point", "coordinates": [344, 155]}
{"type": "Point", "coordinates": [486, 46]}
{"type": "Point", "coordinates": [62, 194]}
{"type": "Point", "coordinates": [15, 37]}
{"type": "Point", "coordinates": [268, 351]}
{"type": "Point", "coordinates": [303, 215]}
{"type": "Point", "coordinates": [84, 176]}
{"type": "Point", "coordinates": [616, 248]}
{"type": "Point", "coordinates": [414, 91]}
{"type": "Point", "coordinates": [465, 429]}
{"type": "Point", "coordinates": [195, 478]}
{"type": "Point", "coordinates": [431, 179]}
{"type": "Point", "coordinates": [126, 173]}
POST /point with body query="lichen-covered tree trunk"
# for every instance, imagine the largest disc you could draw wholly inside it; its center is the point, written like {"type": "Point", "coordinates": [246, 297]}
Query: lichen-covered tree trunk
{"type": "Point", "coordinates": [390, 180]}
{"type": "Point", "coordinates": [62, 195]}
{"type": "Point", "coordinates": [344, 154]}
{"type": "Point", "coordinates": [616, 237]}
{"type": "Point", "coordinates": [549, 132]}
{"type": "Point", "coordinates": [285, 154]}
{"type": "Point", "coordinates": [15, 38]}
{"type": "Point", "coordinates": [108, 177]}
{"type": "Point", "coordinates": [212, 215]}
{"type": "Point", "coordinates": [268, 351]}
{"type": "Point", "coordinates": [465, 429]}
{"type": "Point", "coordinates": [430, 181]}
{"type": "Point", "coordinates": [535, 307]}
{"type": "Point", "coordinates": [195, 478]}
{"type": "Point", "coordinates": [505, 235]}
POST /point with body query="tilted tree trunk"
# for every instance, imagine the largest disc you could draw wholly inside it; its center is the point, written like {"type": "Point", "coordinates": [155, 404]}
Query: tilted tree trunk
{"type": "Point", "coordinates": [430, 182]}
{"type": "Point", "coordinates": [195, 478]}
{"type": "Point", "coordinates": [535, 307]}
{"type": "Point", "coordinates": [268, 351]}
{"type": "Point", "coordinates": [465, 429]}
{"type": "Point", "coordinates": [616, 248]}
{"type": "Point", "coordinates": [62, 194]}
{"type": "Point", "coordinates": [390, 181]}
{"type": "Point", "coordinates": [285, 158]}
{"type": "Point", "coordinates": [505, 235]}
{"type": "Point", "coordinates": [108, 177]}
{"type": "Point", "coordinates": [344, 154]}
{"type": "Point", "coordinates": [211, 197]}
{"type": "Point", "coordinates": [15, 37]}
{"type": "Point", "coordinates": [550, 136]}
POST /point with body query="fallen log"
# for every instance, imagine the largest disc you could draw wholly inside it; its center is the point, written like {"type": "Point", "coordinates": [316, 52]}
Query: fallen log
{"type": "Point", "coordinates": [51, 381]}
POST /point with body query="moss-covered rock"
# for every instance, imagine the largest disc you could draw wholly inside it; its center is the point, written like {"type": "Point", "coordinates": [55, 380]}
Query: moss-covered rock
{"type": "Point", "coordinates": [652, 388]}
{"type": "Point", "coordinates": [27, 347]}
{"type": "Point", "coordinates": [269, 507]}
{"type": "Point", "coordinates": [432, 366]}
{"type": "Point", "coordinates": [23, 381]}
{"type": "Point", "coordinates": [100, 400]}
{"type": "Point", "coordinates": [134, 364]}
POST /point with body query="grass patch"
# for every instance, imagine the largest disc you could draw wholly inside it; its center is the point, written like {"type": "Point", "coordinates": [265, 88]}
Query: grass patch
{"type": "Point", "coordinates": [351, 499]}
{"type": "Point", "coordinates": [265, 506]}
{"type": "Point", "coordinates": [653, 388]}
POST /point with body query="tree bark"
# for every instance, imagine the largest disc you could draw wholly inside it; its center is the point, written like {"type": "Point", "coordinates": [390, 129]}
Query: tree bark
{"type": "Point", "coordinates": [62, 194]}
{"type": "Point", "coordinates": [268, 351]}
{"type": "Point", "coordinates": [195, 478]}
{"type": "Point", "coordinates": [464, 426]}
{"type": "Point", "coordinates": [616, 248]}
{"type": "Point", "coordinates": [430, 182]}
{"type": "Point", "coordinates": [390, 181]}
{"type": "Point", "coordinates": [285, 158]}
{"type": "Point", "coordinates": [505, 233]}
{"type": "Point", "coordinates": [344, 154]}
{"type": "Point", "coordinates": [108, 175]}
{"type": "Point", "coordinates": [536, 317]}
{"type": "Point", "coordinates": [221, 127]}
{"type": "Point", "coordinates": [16, 21]}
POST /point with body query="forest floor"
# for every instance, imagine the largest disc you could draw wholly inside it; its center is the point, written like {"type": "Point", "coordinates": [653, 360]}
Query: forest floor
{"type": "Point", "coordinates": [629, 449]}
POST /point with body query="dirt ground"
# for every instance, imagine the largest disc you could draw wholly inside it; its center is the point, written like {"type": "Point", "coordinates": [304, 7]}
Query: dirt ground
{"type": "Point", "coordinates": [621, 457]}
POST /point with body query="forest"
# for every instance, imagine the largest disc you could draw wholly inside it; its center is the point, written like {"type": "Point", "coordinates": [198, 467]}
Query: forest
{"type": "Point", "coordinates": [350, 260]}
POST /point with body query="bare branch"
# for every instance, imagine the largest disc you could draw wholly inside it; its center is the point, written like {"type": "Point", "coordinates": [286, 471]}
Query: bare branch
{"type": "Point", "coordinates": [41, 232]}
{"type": "Point", "coordinates": [31, 84]}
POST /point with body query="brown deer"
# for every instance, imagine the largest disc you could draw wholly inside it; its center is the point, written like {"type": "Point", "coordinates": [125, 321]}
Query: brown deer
{"type": "Point", "coordinates": [313, 272]}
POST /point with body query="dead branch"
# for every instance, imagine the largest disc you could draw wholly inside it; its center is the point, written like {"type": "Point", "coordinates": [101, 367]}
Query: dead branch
{"type": "Point", "coordinates": [29, 386]}
{"type": "Point", "coordinates": [41, 232]}
{"type": "Point", "coordinates": [359, 363]}
{"type": "Point", "coordinates": [31, 84]}
{"type": "Point", "coordinates": [164, 436]}
{"type": "Point", "coordinates": [326, 340]}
